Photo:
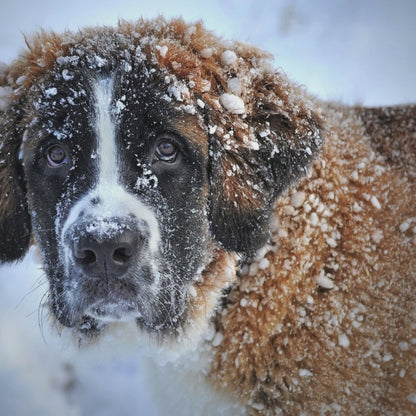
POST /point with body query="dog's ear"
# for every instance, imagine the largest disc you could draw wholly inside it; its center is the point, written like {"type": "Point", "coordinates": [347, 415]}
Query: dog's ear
{"type": "Point", "coordinates": [15, 228]}
{"type": "Point", "coordinates": [256, 155]}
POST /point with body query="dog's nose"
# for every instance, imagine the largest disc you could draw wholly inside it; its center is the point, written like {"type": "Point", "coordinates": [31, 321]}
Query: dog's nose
{"type": "Point", "coordinates": [108, 255]}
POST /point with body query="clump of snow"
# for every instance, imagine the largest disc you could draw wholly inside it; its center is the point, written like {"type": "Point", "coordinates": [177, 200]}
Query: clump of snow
{"type": "Point", "coordinates": [265, 133]}
{"type": "Point", "coordinates": [127, 67]}
{"type": "Point", "coordinates": [304, 372]}
{"type": "Point", "coordinates": [387, 358]}
{"type": "Point", "coordinates": [412, 398]}
{"type": "Point", "coordinates": [314, 219]}
{"type": "Point", "coordinates": [375, 202]}
{"type": "Point", "coordinates": [148, 179]}
{"type": "Point", "coordinates": [354, 175]}
{"type": "Point", "coordinates": [234, 86]}
{"type": "Point", "coordinates": [406, 225]}
{"type": "Point", "coordinates": [261, 252]}
{"type": "Point", "coordinates": [65, 60]}
{"type": "Point", "coordinates": [254, 144]}
{"type": "Point", "coordinates": [179, 92]}
{"type": "Point", "coordinates": [66, 75]}
{"type": "Point", "coordinates": [120, 105]}
{"type": "Point", "coordinates": [191, 30]}
{"type": "Point", "coordinates": [99, 62]}
{"type": "Point", "coordinates": [212, 129]}
{"type": "Point", "coordinates": [324, 281]}
{"type": "Point", "coordinates": [253, 269]}
{"type": "Point", "coordinates": [163, 50]}
{"type": "Point", "coordinates": [377, 236]}
{"type": "Point", "coordinates": [228, 58]}
{"type": "Point", "coordinates": [343, 341]}
{"type": "Point", "coordinates": [232, 103]}
{"type": "Point", "coordinates": [404, 346]}
{"type": "Point", "coordinates": [331, 242]}
{"type": "Point", "coordinates": [258, 406]}
{"type": "Point", "coordinates": [297, 199]}
{"type": "Point", "coordinates": [206, 53]}
{"type": "Point", "coordinates": [190, 109]}
{"type": "Point", "coordinates": [264, 264]}
{"type": "Point", "coordinates": [21, 80]}
{"type": "Point", "coordinates": [200, 103]}
{"type": "Point", "coordinates": [50, 92]}
{"type": "Point", "coordinates": [218, 338]}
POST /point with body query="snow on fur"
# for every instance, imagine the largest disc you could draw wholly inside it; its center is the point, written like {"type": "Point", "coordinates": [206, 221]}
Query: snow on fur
{"type": "Point", "coordinates": [322, 318]}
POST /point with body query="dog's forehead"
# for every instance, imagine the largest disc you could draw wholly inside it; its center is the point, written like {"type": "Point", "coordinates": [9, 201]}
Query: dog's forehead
{"type": "Point", "coordinates": [65, 102]}
{"type": "Point", "coordinates": [192, 71]}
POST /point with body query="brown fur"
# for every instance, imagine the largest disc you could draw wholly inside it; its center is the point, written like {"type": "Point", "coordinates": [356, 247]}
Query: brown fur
{"type": "Point", "coordinates": [337, 231]}
{"type": "Point", "coordinates": [292, 343]}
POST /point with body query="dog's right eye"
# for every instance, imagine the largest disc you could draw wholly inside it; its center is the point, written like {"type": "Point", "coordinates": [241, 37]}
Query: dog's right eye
{"type": "Point", "coordinates": [56, 156]}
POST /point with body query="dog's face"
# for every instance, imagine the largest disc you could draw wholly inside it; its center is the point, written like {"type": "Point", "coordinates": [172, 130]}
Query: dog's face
{"type": "Point", "coordinates": [133, 169]}
{"type": "Point", "coordinates": [117, 182]}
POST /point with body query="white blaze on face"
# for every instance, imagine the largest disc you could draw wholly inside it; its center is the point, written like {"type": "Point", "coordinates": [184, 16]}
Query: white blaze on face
{"type": "Point", "coordinates": [105, 130]}
{"type": "Point", "coordinates": [111, 199]}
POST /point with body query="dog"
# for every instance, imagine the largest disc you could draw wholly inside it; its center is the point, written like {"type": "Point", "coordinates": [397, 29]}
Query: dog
{"type": "Point", "coordinates": [179, 182]}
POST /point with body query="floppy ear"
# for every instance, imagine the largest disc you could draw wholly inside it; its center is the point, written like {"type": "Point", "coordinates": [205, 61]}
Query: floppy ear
{"type": "Point", "coordinates": [15, 228]}
{"type": "Point", "coordinates": [257, 156]}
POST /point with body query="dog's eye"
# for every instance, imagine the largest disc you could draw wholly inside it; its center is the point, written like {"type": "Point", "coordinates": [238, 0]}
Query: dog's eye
{"type": "Point", "coordinates": [56, 156]}
{"type": "Point", "coordinates": [166, 151]}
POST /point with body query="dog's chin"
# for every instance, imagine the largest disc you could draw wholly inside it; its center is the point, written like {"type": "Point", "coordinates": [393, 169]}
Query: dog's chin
{"type": "Point", "coordinates": [99, 315]}
{"type": "Point", "coordinates": [107, 312]}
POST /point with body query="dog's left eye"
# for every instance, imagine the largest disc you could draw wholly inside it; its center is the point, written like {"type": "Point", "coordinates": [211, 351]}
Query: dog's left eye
{"type": "Point", "coordinates": [166, 151]}
{"type": "Point", "coordinates": [56, 156]}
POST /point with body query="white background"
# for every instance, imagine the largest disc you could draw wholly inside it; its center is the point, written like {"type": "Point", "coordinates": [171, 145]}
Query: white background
{"type": "Point", "coordinates": [354, 51]}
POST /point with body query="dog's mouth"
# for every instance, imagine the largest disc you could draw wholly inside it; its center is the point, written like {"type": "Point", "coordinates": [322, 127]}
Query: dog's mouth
{"type": "Point", "coordinates": [114, 311]}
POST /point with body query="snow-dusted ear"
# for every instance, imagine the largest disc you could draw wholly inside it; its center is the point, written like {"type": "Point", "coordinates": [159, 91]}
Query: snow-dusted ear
{"type": "Point", "coordinates": [255, 155]}
{"type": "Point", "coordinates": [15, 228]}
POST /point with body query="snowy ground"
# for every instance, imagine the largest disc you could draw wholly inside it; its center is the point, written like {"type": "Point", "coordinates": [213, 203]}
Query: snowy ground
{"type": "Point", "coordinates": [348, 50]}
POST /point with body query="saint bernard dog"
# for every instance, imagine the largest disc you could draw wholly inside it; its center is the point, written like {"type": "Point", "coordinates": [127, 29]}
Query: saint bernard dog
{"type": "Point", "coordinates": [181, 183]}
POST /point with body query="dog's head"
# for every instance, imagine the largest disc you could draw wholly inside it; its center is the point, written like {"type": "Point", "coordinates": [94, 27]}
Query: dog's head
{"type": "Point", "coordinates": [136, 158]}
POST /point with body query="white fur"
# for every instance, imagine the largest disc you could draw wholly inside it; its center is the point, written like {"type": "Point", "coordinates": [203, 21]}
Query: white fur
{"type": "Point", "coordinates": [177, 379]}
{"type": "Point", "coordinates": [115, 200]}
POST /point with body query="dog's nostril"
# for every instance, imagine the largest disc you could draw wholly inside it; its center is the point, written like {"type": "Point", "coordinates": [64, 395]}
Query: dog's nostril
{"type": "Point", "coordinates": [122, 255]}
{"type": "Point", "coordinates": [89, 257]}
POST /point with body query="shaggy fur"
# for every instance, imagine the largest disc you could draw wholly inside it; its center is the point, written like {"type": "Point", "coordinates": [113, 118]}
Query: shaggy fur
{"type": "Point", "coordinates": [311, 288]}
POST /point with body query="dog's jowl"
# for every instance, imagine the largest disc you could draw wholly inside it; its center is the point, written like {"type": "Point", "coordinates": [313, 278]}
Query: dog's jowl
{"type": "Point", "coordinates": [181, 183]}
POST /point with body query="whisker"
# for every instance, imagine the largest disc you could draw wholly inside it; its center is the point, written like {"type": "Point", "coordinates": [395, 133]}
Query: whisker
{"type": "Point", "coordinates": [42, 310]}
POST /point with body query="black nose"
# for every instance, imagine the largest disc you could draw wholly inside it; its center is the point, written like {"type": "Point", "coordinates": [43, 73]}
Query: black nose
{"type": "Point", "coordinates": [105, 254]}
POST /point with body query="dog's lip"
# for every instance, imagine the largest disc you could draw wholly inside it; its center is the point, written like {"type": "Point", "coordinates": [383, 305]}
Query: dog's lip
{"type": "Point", "coordinates": [110, 311]}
